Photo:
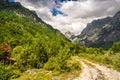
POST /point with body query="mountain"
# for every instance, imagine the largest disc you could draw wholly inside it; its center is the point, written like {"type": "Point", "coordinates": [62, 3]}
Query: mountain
{"type": "Point", "coordinates": [102, 32]}
{"type": "Point", "coordinates": [26, 42]}
{"type": "Point", "coordinates": [70, 36]}
{"type": "Point", "coordinates": [21, 11]}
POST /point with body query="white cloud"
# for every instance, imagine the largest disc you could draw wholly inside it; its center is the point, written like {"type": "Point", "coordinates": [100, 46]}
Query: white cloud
{"type": "Point", "coordinates": [79, 13]}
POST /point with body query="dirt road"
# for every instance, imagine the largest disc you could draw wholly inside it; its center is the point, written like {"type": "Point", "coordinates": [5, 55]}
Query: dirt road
{"type": "Point", "coordinates": [93, 71]}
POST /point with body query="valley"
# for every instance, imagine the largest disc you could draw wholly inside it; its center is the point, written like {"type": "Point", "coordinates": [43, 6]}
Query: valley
{"type": "Point", "coordinates": [31, 49]}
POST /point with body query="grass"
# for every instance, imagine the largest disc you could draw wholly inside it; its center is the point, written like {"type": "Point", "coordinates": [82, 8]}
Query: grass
{"type": "Point", "coordinates": [35, 74]}
{"type": "Point", "coordinates": [107, 59]}
{"type": "Point", "coordinates": [67, 75]}
{"type": "Point", "coordinates": [42, 74]}
{"type": "Point", "coordinates": [74, 69]}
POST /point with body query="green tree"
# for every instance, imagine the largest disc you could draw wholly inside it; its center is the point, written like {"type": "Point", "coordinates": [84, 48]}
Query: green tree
{"type": "Point", "coordinates": [116, 47]}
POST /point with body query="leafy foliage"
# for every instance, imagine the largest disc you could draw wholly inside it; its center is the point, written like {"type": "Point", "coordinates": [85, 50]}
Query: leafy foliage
{"type": "Point", "coordinates": [8, 72]}
{"type": "Point", "coordinates": [32, 43]}
{"type": "Point", "coordinates": [116, 47]}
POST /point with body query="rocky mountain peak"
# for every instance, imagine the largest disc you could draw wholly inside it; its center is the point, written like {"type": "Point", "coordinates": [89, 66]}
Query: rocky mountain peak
{"type": "Point", "coordinates": [117, 14]}
{"type": "Point", "coordinates": [102, 32]}
{"type": "Point", "coordinates": [69, 35]}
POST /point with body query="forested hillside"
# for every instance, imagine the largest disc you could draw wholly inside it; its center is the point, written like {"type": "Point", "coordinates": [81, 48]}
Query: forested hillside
{"type": "Point", "coordinates": [26, 42]}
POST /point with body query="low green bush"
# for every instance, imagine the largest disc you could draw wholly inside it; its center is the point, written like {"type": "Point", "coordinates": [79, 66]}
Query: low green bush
{"type": "Point", "coordinates": [7, 72]}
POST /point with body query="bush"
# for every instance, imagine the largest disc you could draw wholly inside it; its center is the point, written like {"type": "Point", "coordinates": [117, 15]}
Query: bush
{"type": "Point", "coordinates": [52, 64]}
{"type": "Point", "coordinates": [6, 72]}
{"type": "Point", "coordinates": [5, 52]}
{"type": "Point", "coordinates": [116, 47]}
{"type": "Point", "coordinates": [116, 61]}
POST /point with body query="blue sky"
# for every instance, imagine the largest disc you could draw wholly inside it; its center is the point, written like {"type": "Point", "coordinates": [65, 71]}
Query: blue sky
{"type": "Point", "coordinates": [55, 12]}
{"type": "Point", "coordinates": [56, 8]}
{"type": "Point", "coordinates": [10, 0]}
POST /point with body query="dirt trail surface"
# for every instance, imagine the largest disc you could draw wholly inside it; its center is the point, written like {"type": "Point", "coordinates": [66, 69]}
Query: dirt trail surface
{"type": "Point", "coordinates": [93, 71]}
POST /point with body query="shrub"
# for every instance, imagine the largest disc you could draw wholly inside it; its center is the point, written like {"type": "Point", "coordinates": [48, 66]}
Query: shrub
{"type": "Point", "coordinates": [6, 72]}
{"type": "Point", "coordinates": [5, 51]}
{"type": "Point", "coordinates": [116, 47]}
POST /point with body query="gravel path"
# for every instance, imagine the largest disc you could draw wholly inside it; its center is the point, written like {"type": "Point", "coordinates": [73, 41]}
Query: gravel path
{"type": "Point", "coordinates": [92, 71]}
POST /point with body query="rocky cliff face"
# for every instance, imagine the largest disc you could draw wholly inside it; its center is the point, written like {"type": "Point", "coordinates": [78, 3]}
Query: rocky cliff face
{"type": "Point", "coordinates": [102, 32]}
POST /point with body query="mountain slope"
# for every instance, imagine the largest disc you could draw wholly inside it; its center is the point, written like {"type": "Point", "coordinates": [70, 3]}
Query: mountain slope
{"type": "Point", "coordinates": [102, 32]}
{"type": "Point", "coordinates": [21, 11]}
{"type": "Point", "coordinates": [26, 42]}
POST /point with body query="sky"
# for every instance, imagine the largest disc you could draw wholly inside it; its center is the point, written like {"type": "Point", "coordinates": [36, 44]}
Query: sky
{"type": "Point", "coordinates": [71, 15]}
{"type": "Point", "coordinates": [10, 0]}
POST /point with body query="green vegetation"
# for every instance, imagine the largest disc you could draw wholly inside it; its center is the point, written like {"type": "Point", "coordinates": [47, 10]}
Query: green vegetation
{"type": "Point", "coordinates": [109, 57]}
{"type": "Point", "coordinates": [26, 43]}
{"type": "Point", "coordinates": [35, 74]}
